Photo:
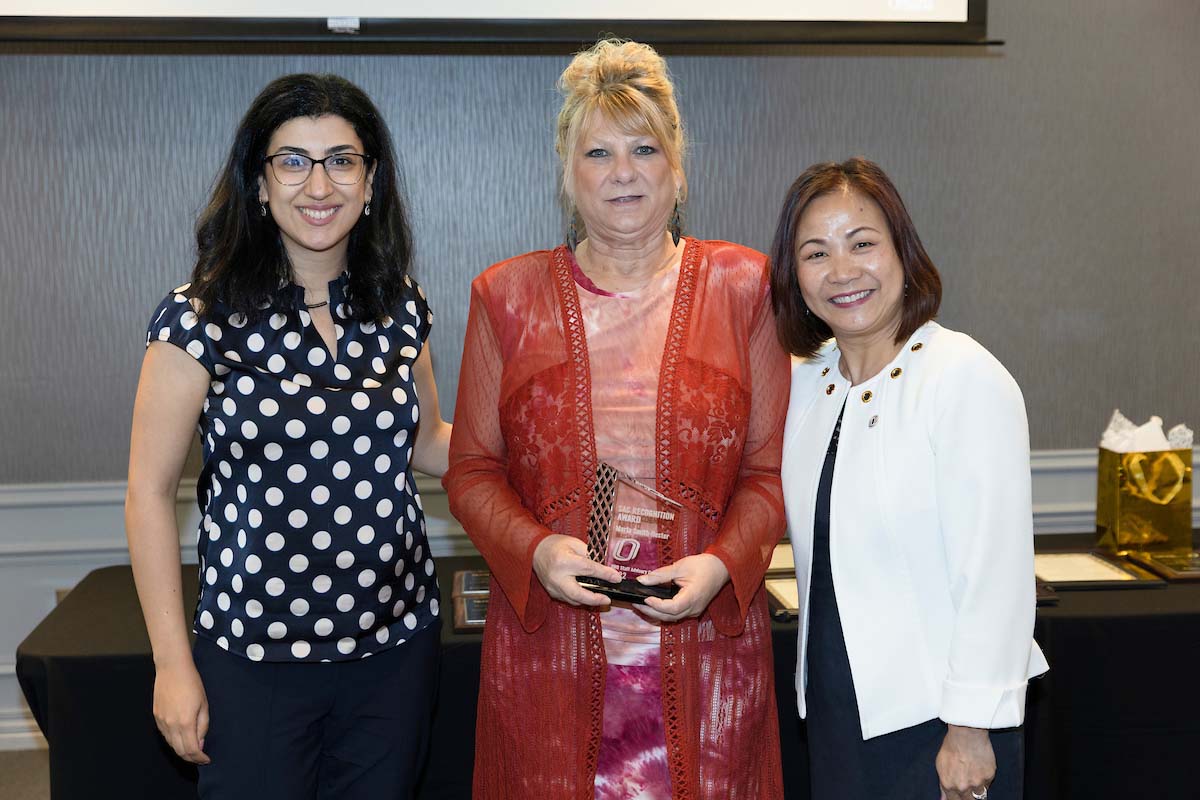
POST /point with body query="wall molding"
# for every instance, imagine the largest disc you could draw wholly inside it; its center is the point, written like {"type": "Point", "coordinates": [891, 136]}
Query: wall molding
{"type": "Point", "coordinates": [19, 731]}
{"type": "Point", "coordinates": [53, 533]}
{"type": "Point", "coordinates": [1064, 491]}
{"type": "Point", "coordinates": [87, 519]}
{"type": "Point", "coordinates": [83, 493]}
{"type": "Point", "coordinates": [73, 520]}
{"type": "Point", "coordinates": [86, 493]}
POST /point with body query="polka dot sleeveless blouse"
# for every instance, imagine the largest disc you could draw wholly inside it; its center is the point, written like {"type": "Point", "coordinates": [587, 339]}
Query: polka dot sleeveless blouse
{"type": "Point", "coordinates": [312, 543]}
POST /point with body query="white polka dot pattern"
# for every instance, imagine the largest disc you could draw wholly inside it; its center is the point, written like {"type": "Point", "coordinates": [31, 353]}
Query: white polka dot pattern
{"type": "Point", "coordinates": [312, 543]}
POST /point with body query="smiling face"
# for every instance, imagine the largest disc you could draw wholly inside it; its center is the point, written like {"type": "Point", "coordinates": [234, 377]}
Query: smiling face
{"type": "Point", "coordinates": [849, 272]}
{"type": "Point", "coordinates": [315, 217]}
{"type": "Point", "coordinates": [623, 185]}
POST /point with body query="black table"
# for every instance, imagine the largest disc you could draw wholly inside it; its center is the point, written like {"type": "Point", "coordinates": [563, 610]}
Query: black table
{"type": "Point", "coordinates": [1118, 714]}
{"type": "Point", "coordinates": [1115, 718]}
{"type": "Point", "coordinates": [88, 677]}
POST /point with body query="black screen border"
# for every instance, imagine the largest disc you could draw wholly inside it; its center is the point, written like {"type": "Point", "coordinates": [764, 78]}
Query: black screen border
{"type": "Point", "coordinates": [472, 31]}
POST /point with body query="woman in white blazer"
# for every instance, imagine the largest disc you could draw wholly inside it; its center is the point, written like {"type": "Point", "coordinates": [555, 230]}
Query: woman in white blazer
{"type": "Point", "coordinates": [906, 478]}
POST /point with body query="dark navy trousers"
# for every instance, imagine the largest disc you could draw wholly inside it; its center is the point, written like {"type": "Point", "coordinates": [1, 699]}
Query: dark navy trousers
{"type": "Point", "coordinates": [310, 731]}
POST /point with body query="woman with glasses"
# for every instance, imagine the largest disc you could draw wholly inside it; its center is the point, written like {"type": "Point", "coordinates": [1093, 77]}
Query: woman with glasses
{"type": "Point", "coordinates": [299, 349]}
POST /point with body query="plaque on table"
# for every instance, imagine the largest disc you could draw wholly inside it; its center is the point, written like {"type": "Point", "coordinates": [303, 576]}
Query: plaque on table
{"type": "Point", "coordinates": [469, 594]}
{"type": "Point", "coordinates": [629, 521]}
{"type": "Point", "coordinates": [783, 597]}
{"type": "Point", "coordinates": [1046, 596]}
{"type": "Point", "coordinates": [1172, 566]}
{"type": "Point", "coordinates": [470, 612]}
{"type": "Point", "coordinates": [1068, 571]}
{"type": "Point", "coordinates": [782, 564]}
{"type": "Point", "coordinates": [471, 581]}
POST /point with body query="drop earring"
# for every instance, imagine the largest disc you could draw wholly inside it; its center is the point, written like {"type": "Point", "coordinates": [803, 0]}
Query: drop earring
{"type": "Point", "coordinates": [262, 209]}
{"type": "Point", "coordinates": [675, 226]}
{"type": "Point", "coordinates": [367, 209]}
{"type": "Point", "coordinates": [573, 232]}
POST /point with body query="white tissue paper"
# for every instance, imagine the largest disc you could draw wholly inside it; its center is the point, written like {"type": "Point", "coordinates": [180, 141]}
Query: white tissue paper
{"type": "Point", "coordinates": [1180, 437]}
{"type": "Point", "coordinates": [1122, 436]}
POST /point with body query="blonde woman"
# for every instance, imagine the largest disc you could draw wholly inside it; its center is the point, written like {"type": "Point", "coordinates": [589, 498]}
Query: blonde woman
{"type": "Point", "coordinates": [655, 353]}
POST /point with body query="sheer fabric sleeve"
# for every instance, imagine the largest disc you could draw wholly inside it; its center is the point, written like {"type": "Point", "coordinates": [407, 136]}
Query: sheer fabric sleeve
{"type": "Point", "coordinates": [477, 485]}
{"type": "Point", "coordinates": [754, 519]}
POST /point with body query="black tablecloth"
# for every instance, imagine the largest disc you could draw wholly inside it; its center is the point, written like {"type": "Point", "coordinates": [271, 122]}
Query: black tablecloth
{"type": "Point", "coordinates": [1117, 717]}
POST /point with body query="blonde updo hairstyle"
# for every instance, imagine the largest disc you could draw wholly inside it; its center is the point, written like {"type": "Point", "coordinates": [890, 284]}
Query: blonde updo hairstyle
{"type": "Point", "coordinates": [626, 83]}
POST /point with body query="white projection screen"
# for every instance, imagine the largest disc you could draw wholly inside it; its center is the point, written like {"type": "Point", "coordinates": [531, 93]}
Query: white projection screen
{"type": "Point", "coordinates": [743, 21]}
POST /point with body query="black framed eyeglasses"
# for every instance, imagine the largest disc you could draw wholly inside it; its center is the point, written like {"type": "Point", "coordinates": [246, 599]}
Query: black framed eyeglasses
{"type": "Point", "coordinates": [293, 169]}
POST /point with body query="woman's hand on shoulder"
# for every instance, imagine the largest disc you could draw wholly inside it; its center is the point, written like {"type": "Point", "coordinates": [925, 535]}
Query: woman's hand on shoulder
{"type": "Point", "coordinates": [181, 709]}
{"type": "Point", "coordinates": [558, 560]}
{"type": "Point", "coordinates": [966, 764]}
{"type": "Point", "coordinates": [699, 577]}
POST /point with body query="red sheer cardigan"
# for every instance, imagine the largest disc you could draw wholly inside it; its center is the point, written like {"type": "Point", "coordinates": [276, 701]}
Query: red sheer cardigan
{"type": "Point", "coordinates": [522, 464]}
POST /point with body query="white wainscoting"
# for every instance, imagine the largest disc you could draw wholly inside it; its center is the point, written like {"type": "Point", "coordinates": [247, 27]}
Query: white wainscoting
{"type": "Point", "coordinates": [51, 535]}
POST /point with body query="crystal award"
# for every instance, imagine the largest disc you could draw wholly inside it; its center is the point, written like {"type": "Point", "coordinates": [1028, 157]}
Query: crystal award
{"type": "Point", "coordinates": [629, 520]}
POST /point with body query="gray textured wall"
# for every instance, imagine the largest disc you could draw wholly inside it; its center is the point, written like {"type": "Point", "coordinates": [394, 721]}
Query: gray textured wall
{"type": "Point", "coordinates": [1056, 182]}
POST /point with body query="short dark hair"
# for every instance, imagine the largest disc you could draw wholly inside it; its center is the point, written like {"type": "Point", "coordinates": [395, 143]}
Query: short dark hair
{"type": "Point", "coordinates": [802, 333]}
{"type": "Point", "coordinates": [240, 258]}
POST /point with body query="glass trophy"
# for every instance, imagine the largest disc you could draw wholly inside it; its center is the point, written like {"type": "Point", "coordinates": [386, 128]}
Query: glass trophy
{"type": "Point", "coordinates": [629, 520]}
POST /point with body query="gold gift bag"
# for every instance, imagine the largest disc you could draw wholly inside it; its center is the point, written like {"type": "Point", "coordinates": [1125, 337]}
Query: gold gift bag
{"type": "Point", "coordinates": [1144, 501]}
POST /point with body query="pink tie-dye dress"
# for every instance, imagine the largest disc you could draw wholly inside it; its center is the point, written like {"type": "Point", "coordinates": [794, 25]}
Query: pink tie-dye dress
{"type": "Point", "coordinates": [626, 334]}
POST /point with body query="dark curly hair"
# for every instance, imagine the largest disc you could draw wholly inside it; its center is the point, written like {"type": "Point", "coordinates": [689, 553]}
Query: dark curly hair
{"type": "Point", "coordinates": [240, 258]}
{"type": "Point", "coordinates": [802, 333]}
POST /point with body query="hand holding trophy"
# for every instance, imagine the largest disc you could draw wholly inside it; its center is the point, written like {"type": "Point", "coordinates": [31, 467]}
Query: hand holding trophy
{"type": "Point", "coordinates": [560, 561]}
{"type": "Point", "coordinates": [698, 579]}
{"type": "Point", "coordinates": [628, 521]}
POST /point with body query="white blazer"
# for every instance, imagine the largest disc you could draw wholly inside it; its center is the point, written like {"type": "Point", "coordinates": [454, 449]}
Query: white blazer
{"type": "Point", "coordinates": [931, 530]}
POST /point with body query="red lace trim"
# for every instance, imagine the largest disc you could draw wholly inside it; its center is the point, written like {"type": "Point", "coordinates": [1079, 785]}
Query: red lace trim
{"type": "Point", "coordinates": [551, 510]}
{"type": "Point", "coordinates": [684, 775]}
{"type": "Point", "coordinates": [580, 375]}
{"type": "Point", "coordinates": [693, 496]}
